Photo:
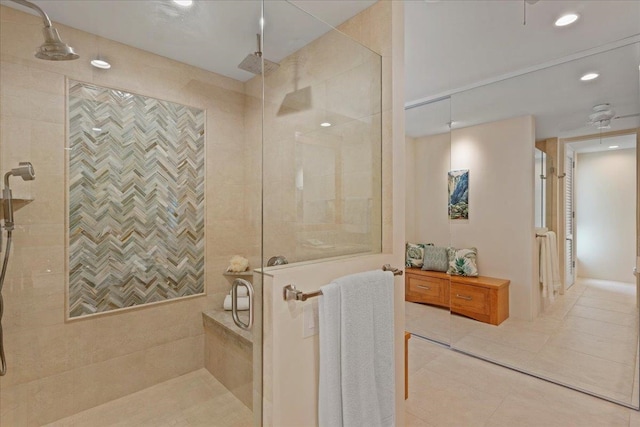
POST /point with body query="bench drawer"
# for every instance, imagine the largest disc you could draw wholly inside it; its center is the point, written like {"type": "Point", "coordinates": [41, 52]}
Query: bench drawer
{"type": "Point", "coordinates": [427, 290]}
{"type": "Point", "coordinates": [469, 298]}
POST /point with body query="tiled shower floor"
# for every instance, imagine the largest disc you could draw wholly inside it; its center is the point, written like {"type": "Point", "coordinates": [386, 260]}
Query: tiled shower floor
{"type": "Point", "coordinates": [194, 399]}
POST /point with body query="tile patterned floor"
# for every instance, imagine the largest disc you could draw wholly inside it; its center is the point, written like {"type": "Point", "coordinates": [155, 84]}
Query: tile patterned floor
{"type": "Point", "coordinates": [196, 399]}
{"type": "Point", "coordinates": [447, 388]}
{"type": "Point", "coordinates": [587, 338]}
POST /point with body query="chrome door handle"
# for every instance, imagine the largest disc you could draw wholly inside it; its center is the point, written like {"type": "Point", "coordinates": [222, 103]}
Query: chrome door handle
{"type": "Point", "coordinates": [464, 297]}
{"type": "Point", "coordinates": [234, 303]}
{"type": "Point", "coordinates": [424, 287]}
{"type": "Point", "coordinates": [635, 271]}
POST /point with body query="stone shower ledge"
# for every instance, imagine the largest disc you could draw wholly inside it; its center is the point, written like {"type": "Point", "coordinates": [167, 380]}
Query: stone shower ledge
{"type": "Point", "coordinates": [18, 203]}
{"type": "Point", "coordinates": [221, 318]}
{"type": "Point", "coordinates": [240, 274]}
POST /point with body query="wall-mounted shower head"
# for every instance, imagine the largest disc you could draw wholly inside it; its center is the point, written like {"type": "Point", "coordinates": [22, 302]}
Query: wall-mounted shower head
{"type": "Point", "coordinates": [53, 48]}
{"type": "Point", "coordinates": [24, 171]}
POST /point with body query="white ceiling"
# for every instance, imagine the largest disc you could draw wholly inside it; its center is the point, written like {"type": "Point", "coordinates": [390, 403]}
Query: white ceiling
{"type": "Point", "coordinates": [450, 44]}
{"type": "Point", "coordinates": [560, 102]}
{"type": "Point", "coordinates": [213, 35]}
{"type": "Point", "coordinates": [477, 42]}
{"type": "Point", "coordinates": [623, 142]}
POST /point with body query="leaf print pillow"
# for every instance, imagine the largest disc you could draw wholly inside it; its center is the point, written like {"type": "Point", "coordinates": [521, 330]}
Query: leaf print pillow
{"type": "Point", "coordinates": [462, 262]}
{"type": "Point", "coordinates": [415, 254]}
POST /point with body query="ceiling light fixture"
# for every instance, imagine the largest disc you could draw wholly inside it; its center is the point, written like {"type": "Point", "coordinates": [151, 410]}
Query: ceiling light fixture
{"type": "Point", "coordinates": [100, 63]}
{"type": "Point", "coordinates": [567, 19]}
{"type": "Point", "coordinates": [183, 3]}
{"type": "Point", "coordinates": [614, 146]}
{"type": "Point", "coordinates": [589, 76]}
{"type": "Point", "coordinates": [96, 129]}
{"type": "Point", "coordinates": [325, 124]}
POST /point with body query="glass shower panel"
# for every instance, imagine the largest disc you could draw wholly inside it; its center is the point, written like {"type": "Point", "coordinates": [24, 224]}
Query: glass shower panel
{"type": "Point", "coordinates": [155, 165]}
{"type": "Point", "coordinates": [427, 226]}
{"type": "Point", "coordinates": [570, 335]}
{"type": "Point", "coordinates": [322, 141]}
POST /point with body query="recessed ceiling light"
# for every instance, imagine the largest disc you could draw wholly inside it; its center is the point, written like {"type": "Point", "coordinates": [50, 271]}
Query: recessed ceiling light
{"type": "Point", "coordinates": [100, 63]}
{"type": "Point", "coordinates": [325, 124]}
{"type": "Point", "coordinates": [183, 3]}
{"type": "Point", "coordinates": [589, 76]}
{"type": "Point", "coordinates": [567, 19]}
{"type": "Point", "coordinates": [614, 146]}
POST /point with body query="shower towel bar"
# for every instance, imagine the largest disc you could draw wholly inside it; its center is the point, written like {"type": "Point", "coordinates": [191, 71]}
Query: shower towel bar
{"type": "Point", "coordinates": [290, 293]}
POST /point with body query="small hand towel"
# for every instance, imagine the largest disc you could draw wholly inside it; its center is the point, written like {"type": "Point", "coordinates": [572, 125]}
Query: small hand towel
{"type": "Point", "coordinates": [242, 291]}
{"type": "Point", "coordinates": [243, 303]}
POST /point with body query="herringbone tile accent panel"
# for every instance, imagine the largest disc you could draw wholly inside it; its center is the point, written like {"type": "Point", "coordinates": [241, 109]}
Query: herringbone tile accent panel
{"type": "Point", "coordinates": [136, 200]}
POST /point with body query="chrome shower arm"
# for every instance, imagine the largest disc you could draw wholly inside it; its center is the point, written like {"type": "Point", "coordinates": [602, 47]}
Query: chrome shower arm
{"type": "Point", "coordinates": [6, 179]}
{"type": "Point", "coordinates": [45, 17]}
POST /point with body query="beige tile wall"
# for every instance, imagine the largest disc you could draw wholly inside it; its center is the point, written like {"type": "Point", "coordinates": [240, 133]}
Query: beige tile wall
{"type": "Point", "coordinates": [57, 368]}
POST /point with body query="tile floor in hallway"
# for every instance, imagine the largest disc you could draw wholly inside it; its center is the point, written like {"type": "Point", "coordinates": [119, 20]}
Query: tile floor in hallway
{"type": "Point", "coordinates": [447, 388]}
{"type": "Point", "coordinates": [196, 399]}
{"type": "Point", "coordinates": [587, 338]}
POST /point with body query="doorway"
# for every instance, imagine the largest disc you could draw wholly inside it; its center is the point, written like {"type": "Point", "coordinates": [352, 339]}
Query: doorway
{"type": "Point", "coordinates": [600, 207]}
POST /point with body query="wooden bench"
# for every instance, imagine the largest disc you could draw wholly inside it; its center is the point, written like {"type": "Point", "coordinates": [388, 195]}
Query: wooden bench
{"type": "Point", "coordinates": [482, 298]}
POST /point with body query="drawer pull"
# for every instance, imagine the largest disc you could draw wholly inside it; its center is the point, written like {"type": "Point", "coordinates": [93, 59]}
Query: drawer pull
{"type": "Point", "coordinates": [464, 297]}
{"type": "Point", "coordinates": [424, 287]}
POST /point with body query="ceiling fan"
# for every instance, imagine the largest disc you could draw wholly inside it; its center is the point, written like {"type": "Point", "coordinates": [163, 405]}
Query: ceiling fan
{"type": "Point", "coordinates": [603, 114]}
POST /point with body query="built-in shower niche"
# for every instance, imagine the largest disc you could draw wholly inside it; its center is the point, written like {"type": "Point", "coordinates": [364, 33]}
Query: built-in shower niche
{"type": "Point", "coordinates": [135, 200]}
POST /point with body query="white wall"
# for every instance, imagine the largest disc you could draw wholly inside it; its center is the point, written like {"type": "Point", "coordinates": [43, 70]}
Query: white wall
{"type": "Point", "coordinates": [500, 159]}
{"type": "Point", "coordinates": [605, 189]}
{"type": "Point", "coordinates": [429, 190]}
{"type": "Point", "coordinates": [410, 173]}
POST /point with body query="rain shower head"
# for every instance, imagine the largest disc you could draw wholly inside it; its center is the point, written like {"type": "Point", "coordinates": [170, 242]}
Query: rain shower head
{"type": "Point", "coordinates": [253, 62]}
{"type": "Point", "coordinates": [53, 48]}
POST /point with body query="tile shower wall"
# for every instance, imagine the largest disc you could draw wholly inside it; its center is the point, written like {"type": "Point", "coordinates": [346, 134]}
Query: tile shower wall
{"type": "Point", "coordinates": [136, 200]}
{"type": "Point", "coordinates": [57, 368]}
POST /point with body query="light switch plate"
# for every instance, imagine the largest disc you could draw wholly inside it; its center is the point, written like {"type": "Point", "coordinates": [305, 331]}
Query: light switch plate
{"type": "Point", "coordinates": [310, 316]}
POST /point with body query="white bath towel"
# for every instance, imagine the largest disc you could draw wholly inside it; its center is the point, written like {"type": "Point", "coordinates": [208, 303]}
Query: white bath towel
{"type": "Point", "coordinates": [545, 277]}
{"type": "Point", "coordinates": [549, 266]}
{"type": "Point", "coordinates": [366, 366]}
{"type": "Point", "coordinates": [243, 303]}
{"type": "Point", "coordinates": [555, 263]}
{"type": "Point", "coordinates": [329, 394]}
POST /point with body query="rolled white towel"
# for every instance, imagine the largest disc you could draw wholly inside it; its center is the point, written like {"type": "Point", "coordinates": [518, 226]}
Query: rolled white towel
{"type": "Point", "coordinates": [243, 303]}
{"type": "Point", "coordinates": [242, 291]}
